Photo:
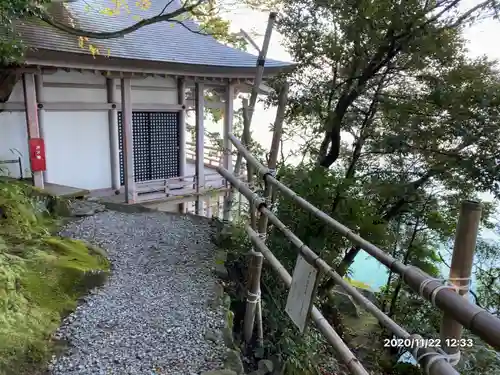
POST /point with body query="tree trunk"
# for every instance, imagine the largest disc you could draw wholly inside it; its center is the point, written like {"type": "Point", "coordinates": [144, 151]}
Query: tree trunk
{"type": "Point", "coordinates": [8, 80]}
{"type": "Point", "coordinates": [391, 273]}
{"type": "Point", "coordinates": [393, 211]}
{"type": "Point", "coordinates": [348, 259]}
{"type": "Point", "coordinates": [397, 290]}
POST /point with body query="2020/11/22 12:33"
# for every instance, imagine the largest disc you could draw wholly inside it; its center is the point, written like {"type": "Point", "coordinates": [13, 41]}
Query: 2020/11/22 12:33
{"type": "Point", "coordinates": [427, 343]}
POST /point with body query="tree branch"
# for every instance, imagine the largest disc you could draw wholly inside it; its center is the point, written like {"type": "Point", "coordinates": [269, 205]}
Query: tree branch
{"type": "Point", "coordinates": [119, 33]}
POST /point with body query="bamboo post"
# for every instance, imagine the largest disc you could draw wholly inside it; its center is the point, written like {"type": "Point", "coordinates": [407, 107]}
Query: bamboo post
{"type": "Point", "coordinates": [251, 209]}
{"type": "Point", "coordinates": [272, 162]}
{"type": "Point", "coordinates": [273, 153]}
{"type": "Point", "coordinates": [245, 139]}
{"type": "Point", "coordinates": [324, 327]}
{"type": "Point", "coordinates": [253, 294]}
{"type": "Point", "coordinates": [261, 60]}
{"type": "Point", "coordinates": [248, 109]}
{"type": "Point", "coordinates": [477, 320]}
{"type": "Point", "coordinates": [461, 270]}
{"type": "Point", "coordinates": [437, 365]}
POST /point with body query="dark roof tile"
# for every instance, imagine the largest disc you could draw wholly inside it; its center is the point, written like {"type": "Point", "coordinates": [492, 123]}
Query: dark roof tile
{"type": "Point", "coordinates": [161, 42]}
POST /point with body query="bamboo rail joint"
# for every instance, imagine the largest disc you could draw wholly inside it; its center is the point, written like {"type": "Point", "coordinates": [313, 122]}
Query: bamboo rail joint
{"type": "Point", "coordinates": [474, 318]}
{"type": "Point", "coordinates": [437, 362]}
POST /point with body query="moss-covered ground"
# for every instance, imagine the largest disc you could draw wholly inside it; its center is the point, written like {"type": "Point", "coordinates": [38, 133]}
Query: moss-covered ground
{"type": "Point", "coordinates": [41, 277]}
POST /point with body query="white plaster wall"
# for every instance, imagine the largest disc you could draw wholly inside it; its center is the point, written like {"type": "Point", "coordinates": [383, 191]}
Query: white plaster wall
{"type": "Point", "coordinates": [75, 94]}
{"type": "Point", "coordinates": [13, 137]}
{"type": "Point", "coordinates": [13, 143]}
{"type": "Point", "coordinates": [78, 152]}
{"type": "Point", "coordinates": [153, 90]}
{"type": "Point", "coordinates": [77, 143]}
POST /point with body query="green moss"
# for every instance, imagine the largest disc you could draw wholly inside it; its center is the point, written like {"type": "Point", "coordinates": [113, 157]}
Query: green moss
{"type": "Point", "coordinates": [41, 278]}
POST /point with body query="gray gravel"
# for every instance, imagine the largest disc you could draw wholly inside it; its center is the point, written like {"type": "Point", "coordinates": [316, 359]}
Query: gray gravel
{"type": "Point", "coordinates": [152, 315]}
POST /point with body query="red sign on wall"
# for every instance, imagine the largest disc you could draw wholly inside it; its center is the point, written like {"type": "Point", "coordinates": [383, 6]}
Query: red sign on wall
{"type": "Point", "coordinates": [37, 154]}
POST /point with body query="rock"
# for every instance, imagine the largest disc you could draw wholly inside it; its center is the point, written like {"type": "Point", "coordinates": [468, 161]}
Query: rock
{"type": "Point", "coordinates": [233, 362]}
{"type": "Point", "coordinates": [219, 372]}
{"type": "Point", "coordinates": [226, 301]}
{"type": "Point", "coordinates": [82, 208]}
{"type": "Point", "coordinates": [220, 271]}
{"type": "Point", "coordinates": [266, 366]}
{"type": "Point", "coordinates": [344, 302]}
{"type": "Point", "coordinates": [221, 256]}
{"type": "Point", "coordinates": [369, 295]}
{"type": "Point", "coordinates": [227, 336]}
{"type": "Point", "coordinates": [259, 352]}
{"type": "Point", "coordinates": [61, 207]}
{"type": "Point", "coordinates": [87, 213]}
{"type": "Point", "coordinates": [215, 302]}
{"type": "Point", "coordinates": [212, 336]}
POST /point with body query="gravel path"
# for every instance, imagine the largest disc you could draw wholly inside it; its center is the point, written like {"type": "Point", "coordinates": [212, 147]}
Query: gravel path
{"type": "Point", "coordinates": [152, 315]}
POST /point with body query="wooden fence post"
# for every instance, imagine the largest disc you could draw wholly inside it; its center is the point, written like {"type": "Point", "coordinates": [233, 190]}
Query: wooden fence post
{"type": "Point", "coordinates": [271, 164]}
{"type": "Point", "coordinates": [253, 294]}
{"type": "Point", "coordinates": [460, 271]}
{"type": "Point", "coordinates": [274, 150]}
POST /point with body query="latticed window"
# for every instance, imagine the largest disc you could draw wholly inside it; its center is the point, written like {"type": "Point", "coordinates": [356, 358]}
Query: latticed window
{"type": "Point", "coordinates": [156, 145]}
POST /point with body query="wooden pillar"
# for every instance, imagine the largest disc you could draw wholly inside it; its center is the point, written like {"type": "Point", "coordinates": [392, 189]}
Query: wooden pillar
{"type": "Point", "coordinates": [181, 99]}
{"type": "Point", "coordinates": [40, 99]}
{"type": "Point", "coordinates": [227, 158]}
{"type": "Point", "coordinates": [209, 207]}
{"type": "Point", "coordinates": [200, 139]}
{"type": "Point", "coordinates": [128, 149]}
{"type": "Point", "coordinates": [114, 144]}
{"type": "Point", "coordinates": [32, 118]}
{"type": "Point", "coordinates": [460, 271]}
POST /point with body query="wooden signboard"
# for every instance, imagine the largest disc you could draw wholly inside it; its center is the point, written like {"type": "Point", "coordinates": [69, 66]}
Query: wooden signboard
{"type": "Point", "coordinates": [301, 294]}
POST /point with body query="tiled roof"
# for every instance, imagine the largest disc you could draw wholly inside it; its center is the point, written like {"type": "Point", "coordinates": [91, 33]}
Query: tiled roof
{"type": "Point", "coordinates": [160, 42]}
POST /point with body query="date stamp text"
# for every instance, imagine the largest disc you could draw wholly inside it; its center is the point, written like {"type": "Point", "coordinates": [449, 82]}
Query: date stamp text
{"type": "Point", "coordinates": [412, 343]}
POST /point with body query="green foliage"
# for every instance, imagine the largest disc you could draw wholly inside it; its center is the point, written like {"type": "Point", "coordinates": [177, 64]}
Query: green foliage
{"type": "Point", "coordinates": [301, 354]}
{"type": "Point", "coordinates": [41, 278]}
{"type": "Point", "coordinates": [487, 272]}
{"type": "Point", "coordinates": [320, 187]}
{"type": "Point", "coordinates": [348, 51]}
{"type": "Point", "coordinates": [11, 46]}
{"type": "Point", "coordinates": [405, 369]}
{"type": "Point", "coordinates": [418, 120]}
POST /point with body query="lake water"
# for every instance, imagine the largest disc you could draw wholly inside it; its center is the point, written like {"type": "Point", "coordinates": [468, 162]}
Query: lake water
{"type": "Point", "coordinates": [371, 272]}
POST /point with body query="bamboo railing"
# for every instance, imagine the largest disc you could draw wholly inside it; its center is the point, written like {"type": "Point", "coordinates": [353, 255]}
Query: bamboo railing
{"type": "Point", "coordinates": [435, 361]}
